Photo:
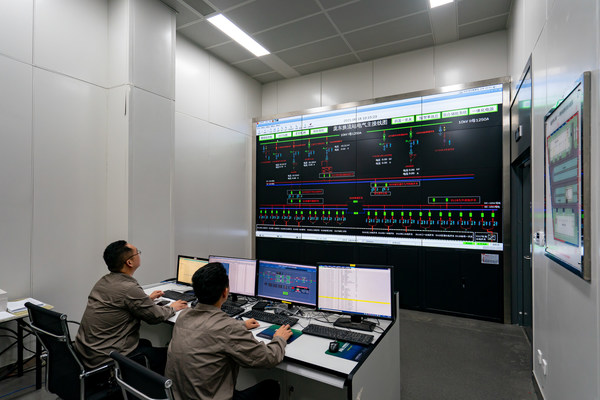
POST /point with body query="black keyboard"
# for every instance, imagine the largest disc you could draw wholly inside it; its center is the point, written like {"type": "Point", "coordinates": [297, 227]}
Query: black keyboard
{"type": "Point", "coordinates": [270, 317]}
{"type": "Point", "coordinates": [174, 295]}
{"type": "Point", "coordinates": [232, 310]}
{"type": "Point", "coordinates": [338, 334]}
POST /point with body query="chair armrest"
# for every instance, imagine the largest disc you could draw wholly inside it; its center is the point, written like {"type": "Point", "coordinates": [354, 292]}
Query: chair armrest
{"type": "Point", "coordinates": [102, 368]}
{"type": "Point", "coordinates": [73, 322]}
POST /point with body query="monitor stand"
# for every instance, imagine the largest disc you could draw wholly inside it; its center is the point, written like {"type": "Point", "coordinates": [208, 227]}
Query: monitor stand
{"type": "Point", "coordinates": [355, 322]}
{"type": "Point", "coordinates": [233, 300]}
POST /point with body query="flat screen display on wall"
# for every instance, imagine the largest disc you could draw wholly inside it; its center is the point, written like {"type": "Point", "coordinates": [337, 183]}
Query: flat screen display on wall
{"type": "Point", "coordinates": [423, 171]}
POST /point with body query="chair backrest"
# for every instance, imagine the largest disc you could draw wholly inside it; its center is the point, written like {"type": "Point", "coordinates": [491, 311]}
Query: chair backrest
{"type": "Point", "coordinates": [139, 382]}
{"type": "Point", "coordinates": [63, 365]}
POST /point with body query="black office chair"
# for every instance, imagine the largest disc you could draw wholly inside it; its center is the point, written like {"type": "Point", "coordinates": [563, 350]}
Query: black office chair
{"type": "Point", "coordinates": [139, 382]}
{"type": "Point", "coordinates": [65, 374]}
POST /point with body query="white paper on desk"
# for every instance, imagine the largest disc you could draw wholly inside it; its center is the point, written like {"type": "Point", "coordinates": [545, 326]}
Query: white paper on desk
{"type": "Point", "coordinates": [5, 315]}
{"type": "Point", "coordinates": [16, 306]}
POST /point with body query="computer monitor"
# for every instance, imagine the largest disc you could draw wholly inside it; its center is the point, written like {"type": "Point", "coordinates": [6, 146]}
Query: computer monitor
{"type": "Point", "coordinates": [242, 275]}
{"type": "Point", "coordinates": [186, 266]}
{"type": "Point", "coordinates": [356, 290]}
{"type": "Point", "coordinates": [289, 283]}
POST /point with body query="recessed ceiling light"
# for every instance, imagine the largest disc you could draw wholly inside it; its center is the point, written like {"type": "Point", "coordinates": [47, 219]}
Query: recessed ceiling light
{"type": "Point", "coordinates": [231, 30]}
{"type": "Point", "coordinates": [437, 3]}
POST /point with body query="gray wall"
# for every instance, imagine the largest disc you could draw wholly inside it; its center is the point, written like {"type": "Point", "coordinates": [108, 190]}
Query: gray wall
{"type": "Point", "coordinates": [562, 38]}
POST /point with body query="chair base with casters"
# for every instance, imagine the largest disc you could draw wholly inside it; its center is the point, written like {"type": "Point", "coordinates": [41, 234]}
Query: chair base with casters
{"type": "Point", "coordinates": [139, 382]}
{"type": "Point", "coordinates": [66, 376]}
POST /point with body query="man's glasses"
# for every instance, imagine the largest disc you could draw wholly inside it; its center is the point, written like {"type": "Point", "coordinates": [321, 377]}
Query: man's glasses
{"type": "Point", "coordinates": [133, 255]}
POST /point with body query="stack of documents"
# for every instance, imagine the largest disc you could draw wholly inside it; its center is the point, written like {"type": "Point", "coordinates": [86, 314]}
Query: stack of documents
{"type": "Point", "coordinates": [18, 306]}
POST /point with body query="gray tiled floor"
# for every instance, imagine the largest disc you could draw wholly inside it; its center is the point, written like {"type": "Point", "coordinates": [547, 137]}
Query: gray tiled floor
{"type": "Point", "coordinates": [442, 357]}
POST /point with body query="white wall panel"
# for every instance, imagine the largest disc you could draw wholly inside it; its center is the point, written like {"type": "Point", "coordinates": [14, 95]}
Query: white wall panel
{"type": "Point", "coordinates": [191, 186]}
{"type": "Point", "coordinates": [151, 154]}
{"type": "Point", "coordinates": [69, 153]}
{"type": "Point", "coordinates": [192, 80]}
{"type": "Point", "coordinates": [117, 164]}
{"type": "Point", "coordinates": [346, 84]}
{"type": "Point", "coordinates": [229, 97]}
{"type": "Point", "coordinates": [119, 39]}
{"type": "Point", "coordinates": [404, 73]}
{"type": "Point", "coordinates": [153, 47]}
{"type": "Point", "coordinates": [299, 93]}
{"type": "Point", "coordinates": [71, 37]}
{"type": "Point", "coordinates": [230, 198]}
{"type": "Point", "coordinates": [474, 59]}
{"type": "Point", "coordinates": [16, 29]}
{"type": "Point", "coordinates": [15, 177]}
{"type": "Point", "coordinates": [269, 99]}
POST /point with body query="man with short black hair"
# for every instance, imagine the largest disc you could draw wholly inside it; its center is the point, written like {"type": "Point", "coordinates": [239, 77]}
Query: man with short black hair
{"type": "Point", "coordinates": [208, 346]}
{"type": "Point", "coordinates": [115, 307]}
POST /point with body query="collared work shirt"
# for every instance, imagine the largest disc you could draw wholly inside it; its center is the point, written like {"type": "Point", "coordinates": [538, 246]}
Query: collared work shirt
{"type": "Point", "coordinates": [207, 349]}
{"type": "Point", "coordinates": [111, 320]}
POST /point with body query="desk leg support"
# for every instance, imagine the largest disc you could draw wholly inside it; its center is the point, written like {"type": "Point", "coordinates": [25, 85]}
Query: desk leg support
{"type": "Point", "coordinates": [20, 348]}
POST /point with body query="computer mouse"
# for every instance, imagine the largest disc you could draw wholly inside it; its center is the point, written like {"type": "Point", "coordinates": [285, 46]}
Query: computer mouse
{"type": "Point", "coordinates": [334, 346]}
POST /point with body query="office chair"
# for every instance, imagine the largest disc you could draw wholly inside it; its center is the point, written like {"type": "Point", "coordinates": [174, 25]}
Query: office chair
{"type": "Point", "coordinates": [65, 374]}
{"type": "Point", "coordinates": [139, 382]}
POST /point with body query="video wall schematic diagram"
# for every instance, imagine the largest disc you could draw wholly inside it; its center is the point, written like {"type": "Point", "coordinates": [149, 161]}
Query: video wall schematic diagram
{"type": "Point", "coordinates": [425, 171]}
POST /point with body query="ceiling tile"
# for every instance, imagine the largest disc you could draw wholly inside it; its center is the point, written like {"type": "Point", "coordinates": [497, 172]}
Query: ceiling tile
{"type": "Point", "coordinates": [474, 10]}
{"type": "Point", "coordinates": [263, 14]}
{"type": "Point", "coordinates": [316, 51]}
{"type": "Point", "coordinates": [365, 13]}
{"type": "Point", "coordinates": [296, 33]}
{"type": "Point", "coordinates": [485, 26]}
{"type": "Point", "coordinates": [200, 6]}
{"type": "Point", "coordinates": [270, 77]}
{"type": "Point", "coordinates": [204, 34]}
{"type": "Point", "coordinates": [223, 5]}
{"type": "Point", "coordinates": [406, 28]}
{"type": "Point", "coordinates": [327, 64]}
{"type": "Point", "coordinates": [231, 52]}
{"type": "Point", "coordinates": [396, 48]}
{"type": "Point", "coordinates": [253, 67]}
{"type": "Point", "coordinates": [184, 14]}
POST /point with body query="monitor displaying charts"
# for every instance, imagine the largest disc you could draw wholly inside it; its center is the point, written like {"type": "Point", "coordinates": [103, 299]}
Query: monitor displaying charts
{"type": "Point", "coordinates": [186, 266]}
{"type": "Point", "coordinates": [291, 283]}
{"type": "Point", "coordinates": [241, 272]}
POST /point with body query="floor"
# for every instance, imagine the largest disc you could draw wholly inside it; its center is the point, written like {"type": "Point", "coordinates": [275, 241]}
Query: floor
{"type": "Point", "coordinates": [442, 358]}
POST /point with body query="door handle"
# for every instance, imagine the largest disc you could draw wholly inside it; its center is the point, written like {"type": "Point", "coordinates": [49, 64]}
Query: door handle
{"type": "Point", "coordinates": [528, 258]}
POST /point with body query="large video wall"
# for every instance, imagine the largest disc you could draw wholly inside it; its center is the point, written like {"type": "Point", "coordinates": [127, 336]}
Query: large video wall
{"type": "Point", "coordinates": [423, 171]}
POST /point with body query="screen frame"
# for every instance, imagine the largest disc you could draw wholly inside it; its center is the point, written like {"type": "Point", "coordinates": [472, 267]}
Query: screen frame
{"type": "Point", "coordinates": [358, 314]}
{"type": "Point", "coordinates": [288, 301]}
{"type": "Point", "coordinates": [179, 257]}
{"type": "Point", "coordinates": [255, 273]}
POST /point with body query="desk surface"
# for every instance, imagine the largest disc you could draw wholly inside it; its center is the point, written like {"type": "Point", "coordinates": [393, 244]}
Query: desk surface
{"type": "Point", "coordinates": [306, 349]}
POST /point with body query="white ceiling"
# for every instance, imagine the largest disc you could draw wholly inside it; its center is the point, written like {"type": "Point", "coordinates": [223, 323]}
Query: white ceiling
{"type": "Point", "coordinates": [307, 36]}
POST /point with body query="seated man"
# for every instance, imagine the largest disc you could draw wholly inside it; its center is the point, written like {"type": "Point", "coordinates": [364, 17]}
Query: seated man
{"type": "Point", "coordinates": [115, 306]}
{"type": "Point", "coordinates": [208, 346]}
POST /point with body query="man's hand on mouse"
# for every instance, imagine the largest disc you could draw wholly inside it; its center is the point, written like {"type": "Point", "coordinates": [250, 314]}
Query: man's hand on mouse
{"type": "Point", "coordinates": [178, 305]}
{"type": "Point", "coordinates": [284, 331]}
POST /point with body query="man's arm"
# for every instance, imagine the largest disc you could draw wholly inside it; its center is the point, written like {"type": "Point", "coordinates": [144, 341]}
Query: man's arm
{"type": "Point", "coordinates": [144, 308]}
{"type": "Point", "coordinates": [249, 352]}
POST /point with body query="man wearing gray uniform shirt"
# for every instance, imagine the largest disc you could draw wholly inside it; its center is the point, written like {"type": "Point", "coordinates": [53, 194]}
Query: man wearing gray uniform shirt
{"type": "Point", "coordinates": [208, 346]}
{"type": "Point", "coordinates": [115, 307]}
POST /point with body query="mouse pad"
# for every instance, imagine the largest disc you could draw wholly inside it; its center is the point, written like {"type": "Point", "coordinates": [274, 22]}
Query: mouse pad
{"type": "Point", "coordinates": [349, 351]}
{"type": "Point", "coordinates": [268, 333]}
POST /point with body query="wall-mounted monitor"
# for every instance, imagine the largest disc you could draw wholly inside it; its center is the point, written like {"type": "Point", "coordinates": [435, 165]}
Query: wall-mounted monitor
{"type": "Point", "coordinates": [421, 171]}
{"type": "Point", "coordinates": [567, 180]}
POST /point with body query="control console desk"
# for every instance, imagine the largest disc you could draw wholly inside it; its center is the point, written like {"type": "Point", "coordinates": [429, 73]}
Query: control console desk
{"type": "Point", "coordinates": [308, 371]}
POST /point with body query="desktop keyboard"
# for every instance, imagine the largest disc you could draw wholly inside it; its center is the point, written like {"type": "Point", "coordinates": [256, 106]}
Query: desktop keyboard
{"type": "Point", "coordinates": [174, 295]}
{"type": "Point", "coordinates": [338, 334]}
{"type": "Point", "coordinates": [232, 310]}
{"type": "Point", "coordinates": [270, 317]}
